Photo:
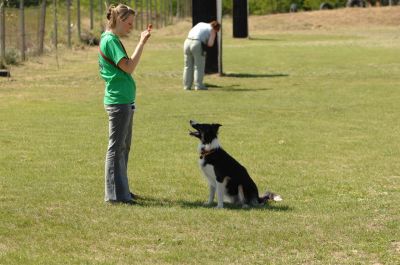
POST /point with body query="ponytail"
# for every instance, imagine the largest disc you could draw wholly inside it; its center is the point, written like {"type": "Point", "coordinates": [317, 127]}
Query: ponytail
{"type": "Point", "coordinates": [120, 11]}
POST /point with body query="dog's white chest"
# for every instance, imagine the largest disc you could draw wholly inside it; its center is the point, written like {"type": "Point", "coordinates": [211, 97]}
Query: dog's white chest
{"type": "Point", "coordinates": [208, 172]}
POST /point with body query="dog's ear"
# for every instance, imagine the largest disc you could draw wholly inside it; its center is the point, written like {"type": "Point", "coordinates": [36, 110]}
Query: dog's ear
{"type": "Point", "coordinates": [215, 127]}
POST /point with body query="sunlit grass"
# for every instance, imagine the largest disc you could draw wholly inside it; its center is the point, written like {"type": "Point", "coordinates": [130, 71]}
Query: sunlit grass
{"type": "Point", "coordinates": [313, 117]}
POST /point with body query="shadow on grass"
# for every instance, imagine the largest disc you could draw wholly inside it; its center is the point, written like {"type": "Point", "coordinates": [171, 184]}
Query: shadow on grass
{"type": "Point", "coordinates": [234, 88]}
{"type": "Point", "coordinates": [229, 206]}
{"type": "Point", "coordinates": [147, 201]}
{"type": "Point", "coordinates": [250, 75]}
{"type": "Point", "coordinates": [264, 39]}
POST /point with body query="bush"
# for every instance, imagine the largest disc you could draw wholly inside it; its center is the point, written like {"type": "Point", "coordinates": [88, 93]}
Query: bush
{"type": "Point", "coordinates": [316, 4]}
{"type": "Point", "coordinates": [11, 57]}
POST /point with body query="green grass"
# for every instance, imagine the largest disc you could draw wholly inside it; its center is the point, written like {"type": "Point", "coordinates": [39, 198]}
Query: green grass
{"type": "Point", "coordinates": [313, 116]}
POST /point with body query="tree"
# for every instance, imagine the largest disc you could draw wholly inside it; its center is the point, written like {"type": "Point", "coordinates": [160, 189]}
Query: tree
{"type": "Point", "coordinates": [78, 17]}
{"type": "Point", "coordinates": [68, 2]}
{"type": "Point", "coordinates": [22, 29]}
{"type": "Point", "coordinates": [42, 20]}
{"type": "Point", "coordinates": [91, 14]}
{"type": "Point", "coordinates": [2, 32]}
{"type": "Point", "coordinates": [55, 29]}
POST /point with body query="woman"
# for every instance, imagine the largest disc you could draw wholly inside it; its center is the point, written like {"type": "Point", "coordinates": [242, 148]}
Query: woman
{"type": "Point", "coordinates": [194, 56]}
{"type": "Point", "coordinates": [116, 68]}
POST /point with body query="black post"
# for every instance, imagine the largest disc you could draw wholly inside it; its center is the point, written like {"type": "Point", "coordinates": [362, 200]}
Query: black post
{"type": "Point", "coordinates": [240, 19]}
{"type": "Point", "coordinates": [206, 11]}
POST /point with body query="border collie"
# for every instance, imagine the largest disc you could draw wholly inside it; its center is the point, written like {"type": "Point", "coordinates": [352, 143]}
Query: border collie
{"type": "Point", "coordinates": [224, 174]}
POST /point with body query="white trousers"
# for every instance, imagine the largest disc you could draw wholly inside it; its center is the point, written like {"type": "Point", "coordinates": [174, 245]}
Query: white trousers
{"type": "Point", "coordinates": [195, 61]}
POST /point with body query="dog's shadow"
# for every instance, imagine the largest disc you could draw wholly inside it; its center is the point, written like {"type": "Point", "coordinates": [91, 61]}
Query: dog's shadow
{"type": "Point", "coordinates": [148, 201]}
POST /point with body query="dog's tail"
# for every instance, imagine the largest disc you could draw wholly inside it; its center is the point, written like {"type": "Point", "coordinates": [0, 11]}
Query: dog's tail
{"type": "Point", "coordinates": [269, 196]}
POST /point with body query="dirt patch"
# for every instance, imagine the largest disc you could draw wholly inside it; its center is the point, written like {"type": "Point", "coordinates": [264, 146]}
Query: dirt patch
{"type": "Point", "coordinates": [329, 19]}
{"type": "Point", "coordinates": [396, 247]}
{"type": "Point", "coordinates": [344, 18]}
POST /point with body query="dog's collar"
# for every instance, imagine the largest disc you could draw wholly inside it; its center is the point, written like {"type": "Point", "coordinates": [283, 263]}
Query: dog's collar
{"type": "Point", "coordinates": [205, 153]}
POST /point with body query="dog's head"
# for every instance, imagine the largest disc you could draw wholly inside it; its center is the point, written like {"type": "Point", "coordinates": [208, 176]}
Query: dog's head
{"type": "Point", "coordinates": [205, 132]}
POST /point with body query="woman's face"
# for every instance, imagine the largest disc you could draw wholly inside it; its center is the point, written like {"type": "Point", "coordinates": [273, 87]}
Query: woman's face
{"type": "Point", "coordinates": [125, 26]}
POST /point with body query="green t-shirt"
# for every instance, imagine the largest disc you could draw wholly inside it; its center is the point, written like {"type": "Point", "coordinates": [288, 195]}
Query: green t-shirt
{"type": "Point", "coordinates": [120, 86]}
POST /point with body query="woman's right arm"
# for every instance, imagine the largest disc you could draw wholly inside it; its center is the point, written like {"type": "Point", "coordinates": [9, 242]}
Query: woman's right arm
{"type": "Point", "coordinates": [211, 40]}
{"type": "Point", "coordinates": [129, 65]}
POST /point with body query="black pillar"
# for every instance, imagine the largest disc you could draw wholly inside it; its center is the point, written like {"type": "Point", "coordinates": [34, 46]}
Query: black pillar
{"type": "Point", "coordinates": [206, 11]}
{"type": "Point", "coordinates": [240, 23]}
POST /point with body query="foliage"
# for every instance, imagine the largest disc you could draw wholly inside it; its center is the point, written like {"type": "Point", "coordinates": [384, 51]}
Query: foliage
{"type": "Point", "coordinates": [315, 4]}
{"type": "Point", "coordinates": [11, 57]}
{"type": "Point", "coordinates": [15, 3]}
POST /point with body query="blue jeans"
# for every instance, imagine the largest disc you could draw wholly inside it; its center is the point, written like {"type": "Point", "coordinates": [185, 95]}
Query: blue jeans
{"type": "Point", "coordinates": [120, 120]}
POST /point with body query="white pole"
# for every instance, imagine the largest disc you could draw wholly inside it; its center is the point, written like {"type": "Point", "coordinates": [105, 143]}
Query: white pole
{"type": "Point", "coordinates": [219, 19]}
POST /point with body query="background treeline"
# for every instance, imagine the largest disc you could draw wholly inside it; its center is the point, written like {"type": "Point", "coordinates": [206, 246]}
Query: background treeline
{"type": "Point", "coordinates": [256, 7]}
{"type": "Point", "coordinates": [42, 25]}
{"type": "Point", "coordinates": [264, 7]}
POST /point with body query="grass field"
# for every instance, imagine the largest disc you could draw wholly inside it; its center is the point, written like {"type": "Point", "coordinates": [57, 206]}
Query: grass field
{"type": "Point", "coordinates": [312, 113]}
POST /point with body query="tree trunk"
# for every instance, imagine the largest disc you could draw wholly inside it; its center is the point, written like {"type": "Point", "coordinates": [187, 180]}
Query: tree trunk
{"type": "Point", "coordinates": [22, 29]}
{"type": "Point", "coordinates": [78, 17]}
{"type": "Point", "coordinates": [42, 21]}
{"type": "Point", "coordinates": [2, 32]}
{"type": "Point", "coordinates": [68, 2]}
{"type": "Point", "coordinates": [147, 12]}
{"type": "Point", "coordinates": [55, 39]}
{"type": "Point", "coordinates": [141, 15]}
{"type": "Point", "coordinates": [151, 11]}
{"type": "Point", "coordinates": [157, 14]}
{"type": "Point", "coordinates": [101, 15]}
{"type": "Point", "coordinates": [165, 11]}
{"type": "Point", "coordinates": [136, 17]}
{"type": "Point", "coordinates": [178, 15]}
{"type": "Point", "coordinates": [91, 14]}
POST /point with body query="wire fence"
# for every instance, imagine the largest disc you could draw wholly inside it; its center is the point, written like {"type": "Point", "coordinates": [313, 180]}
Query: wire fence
{"type": "Point", "coordinates": [41, 26]}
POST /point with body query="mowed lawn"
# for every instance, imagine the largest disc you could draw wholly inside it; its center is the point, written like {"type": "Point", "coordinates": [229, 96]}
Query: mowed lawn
{"type": "Point", "coordinates": [312, 114]}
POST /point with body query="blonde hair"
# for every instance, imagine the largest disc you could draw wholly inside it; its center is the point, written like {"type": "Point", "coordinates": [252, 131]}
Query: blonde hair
{"type": "Point", "coordinates": [120, 11]}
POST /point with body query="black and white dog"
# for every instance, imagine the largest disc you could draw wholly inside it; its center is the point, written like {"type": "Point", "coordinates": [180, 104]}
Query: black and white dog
{"type": "Point", "coordinates": [224, 174]}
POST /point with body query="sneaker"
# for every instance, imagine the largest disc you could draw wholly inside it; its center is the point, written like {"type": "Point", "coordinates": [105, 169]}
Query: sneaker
{"type": "Point", "coordinates": [187, 88]}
